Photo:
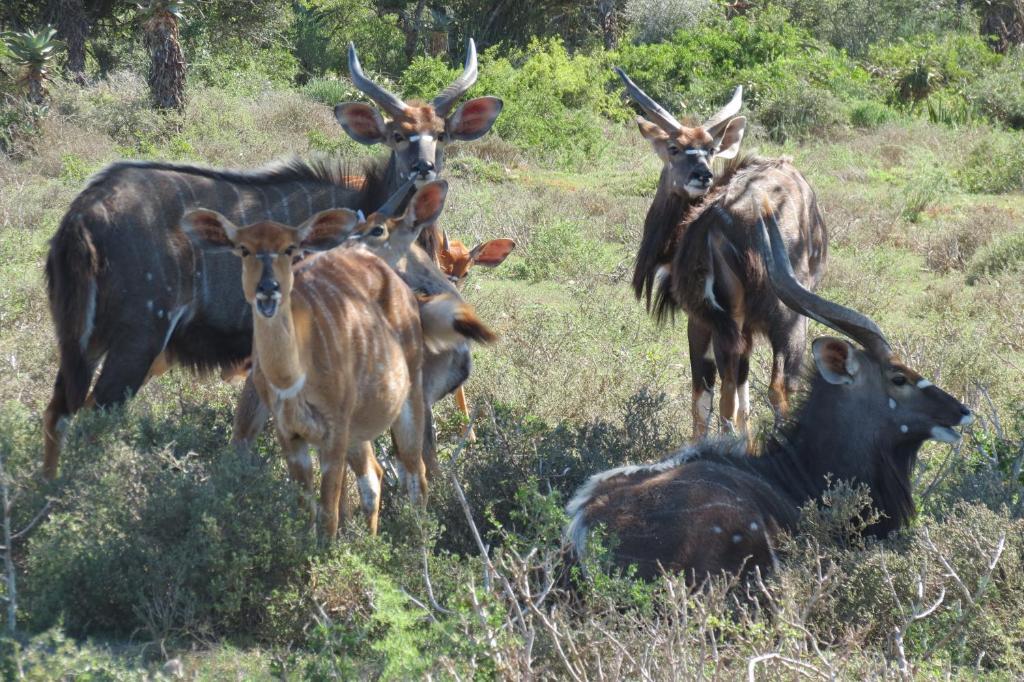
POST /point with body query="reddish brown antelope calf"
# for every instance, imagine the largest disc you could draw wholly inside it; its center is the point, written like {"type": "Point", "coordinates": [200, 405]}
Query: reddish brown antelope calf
{"type": "Point", "coordinates": [337, 347]}
{"type": "Point", "coordinates": [712, 507]}
{"type": "Point", "coordinates": [697, 255]}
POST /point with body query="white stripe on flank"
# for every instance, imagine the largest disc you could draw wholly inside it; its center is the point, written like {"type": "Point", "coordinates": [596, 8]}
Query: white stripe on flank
{"type": "Point", "coordinates": [243, 217]}
{"type": "Point", "coordinates": [90, 316]}
{"type": "Point", "coordinates": [173, 317]}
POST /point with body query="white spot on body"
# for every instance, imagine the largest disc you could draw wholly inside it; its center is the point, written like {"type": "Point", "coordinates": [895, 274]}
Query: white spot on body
{"type": "Point", "coordinates": [737, 538]}
{"type": "Point", "coordinates": [149, 306]}
{"type": "Point", "coordinates": [892, 404]}
{"type": "Point", "coordinates": [149, 276]}
{"type": "Point", "coordinates": [903, 428]}
{"type": "Point", "coordinates": [754, 526]}
{"type": "Point", "coordinates": [160, 313]}
{"type": "Point", "coordinates": [717, 530]}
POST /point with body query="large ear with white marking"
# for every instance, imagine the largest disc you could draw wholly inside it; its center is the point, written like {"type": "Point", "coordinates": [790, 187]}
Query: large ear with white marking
{"type": "Point", "coordinates": [427, 204]}
{"type": "Point", "coordinates": [836, 359]}
{"type": "Point", "coordinates": [729, 144]}
{"type": "Point", "coordinates": [326, 229]}
{"type": "Point", "coordinates": [210, 229]}
{"type": "Point", "coordinates": [474, 118]}
{"type": "Point", "coordinates": [654, 134]}
{"type": "Point", "coordinates": [362, 122]}
{"type": "Point", "coordinates": [491, 254]}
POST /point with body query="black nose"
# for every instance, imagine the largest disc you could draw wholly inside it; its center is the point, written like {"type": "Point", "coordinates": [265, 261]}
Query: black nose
{"type": "Point", "coordinates": [268, 286]}
{"type": "Point", "coordinates": [964, 410]}
{"type": "Point", "coordinates": [703, 175]}
{"type": "Point", "coordinates": [423, 167]}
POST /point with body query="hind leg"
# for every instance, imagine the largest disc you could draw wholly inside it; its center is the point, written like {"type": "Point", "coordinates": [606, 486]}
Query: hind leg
{"type": "Point", "coordinates": [54, 426]}
{"type": "Point", "coordinates": [460, 402]}
{"type": "Point", "coordinates": [787, 358]}
{"type": "Point", "coordinates": [369, 474]}
{"type": "Point", "coordinates": [702, 375]}
{"type": "Point", "coordinates": [126, 368]}
{"type": "Point", "coordinates": [407, 433]}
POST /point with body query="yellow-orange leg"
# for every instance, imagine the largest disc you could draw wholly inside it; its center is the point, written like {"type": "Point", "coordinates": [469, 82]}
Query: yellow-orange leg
{"type": "Point", "coordinates": [460, 401]}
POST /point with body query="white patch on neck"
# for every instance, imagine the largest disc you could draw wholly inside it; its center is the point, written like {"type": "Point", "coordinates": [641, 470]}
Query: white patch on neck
{"type": "Point", "coordinates": [291, 391]}
{"type": "Point", "coordinates": [892, 404]}
{"type": "Point", "coordinates": [924, 383]}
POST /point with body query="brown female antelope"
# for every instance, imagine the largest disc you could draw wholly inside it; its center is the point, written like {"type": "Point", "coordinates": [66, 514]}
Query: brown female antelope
{"type": "Point", "coordinates": [697, 255]}
{"type": "Point", "coordinates": [712, 507]}
{"type": "Point", "coordinates": [124, 286]}
{"type": "Point", "coordinates": [337, 347]}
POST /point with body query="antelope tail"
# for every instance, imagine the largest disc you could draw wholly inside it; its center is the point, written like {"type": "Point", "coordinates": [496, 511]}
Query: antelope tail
{"type": "Point", "coordinates": [71, 269]}
{"type": "Point", "coordinates": [448, 321]}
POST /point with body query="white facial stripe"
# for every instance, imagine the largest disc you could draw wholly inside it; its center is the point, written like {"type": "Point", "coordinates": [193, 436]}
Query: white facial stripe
{"type": "Point", "coordinates": [697, 152]}
{"type": "Point", "coordinates": [924, 383]}
{"type": "Point", "coordinates": [424, 137]}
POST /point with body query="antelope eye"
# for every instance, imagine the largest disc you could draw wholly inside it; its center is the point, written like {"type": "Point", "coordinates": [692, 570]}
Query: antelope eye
{"type": "Point", "coordinates": [399, 137]}
{"type": "Point", "coordinates": [377, 231]}
{"type": "Point", "coordinates": [290, 251]}
{"type": "Point", "coordinates": [673, 150]}
{"type": "Point", "coordinates": [243, 251]}
{"type": "Point", "coordinates": [899, 380]}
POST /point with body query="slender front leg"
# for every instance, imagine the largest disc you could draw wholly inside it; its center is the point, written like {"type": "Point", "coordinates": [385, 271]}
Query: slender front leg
{"type": "Point", "coordinates": [702, 375]}
{"type": "Point", "coordinates": [251, 416]}
{"type": "Point", "coordinates": [369, 474]}
{"type": "Point", "coordinates": [333, 473]}
{"type": "Point", "coordinates": [300, 469]}
{"type": "Point", "coordinates": [407, 433]}
{"type": "Point", "coordinates": [460, 402]}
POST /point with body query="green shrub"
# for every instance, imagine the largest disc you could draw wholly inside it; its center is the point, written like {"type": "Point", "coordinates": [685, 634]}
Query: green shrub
{"type": "Point", "coordinates": [995, 165]}
{"type": "Point", "coordinates": [553, 101]}
{"type": "Point", "coordinates": [999, 94]}
{"type": "Point", "coordinates": [1001, 256]}
{"type": "Point", "coordinates": [51, 655]}
{"type": "Point", "coordinates": [426, 77]}
{"type": "Point", "coordinates": [560, 250]}
{"type": "Point", "coordinates": [871, 114]}
{"type": "Point", "coordinates": [242, 68]}
{"type": "Point", "coordinates": [169, 542]}
{"type": "Point", "coordinates": [329, 91]}
{"type": "Point", "coordinates": [324, 28]}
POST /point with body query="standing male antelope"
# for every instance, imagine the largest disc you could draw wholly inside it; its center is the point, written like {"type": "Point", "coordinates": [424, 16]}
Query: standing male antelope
{"type": "Point", "coordinates": [337, 347]}
{"type": "Point", "coordinates": [125, 289]}
{"type": "Point", "coordinates": [697, 255]}
{"type": "Point", "coordinates": [713, 507]}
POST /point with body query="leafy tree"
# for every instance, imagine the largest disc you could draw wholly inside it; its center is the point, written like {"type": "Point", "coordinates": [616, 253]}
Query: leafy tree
{"type": "Point", "coordinates": [34, 50]}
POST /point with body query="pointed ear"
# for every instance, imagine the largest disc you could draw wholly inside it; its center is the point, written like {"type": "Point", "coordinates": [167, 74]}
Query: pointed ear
{"type": "Point", "coordinates": [209, 228]}
{"type": "Point", "coordinates": [427, 203]}
{"type": "Point", "coordinates": [729, 144]}
{"type": "Point", "coordinates": [836, 359]}
{"type": "Point", "coordinates": [326, 229]}
{"type": "Point", "coordinates": [362, 122]}
{"type": "Point", "coordinates": [491, 254]}
{"type": "Point", "coordinates": [652, 132]}
{"type": "Point", "coordinates": [474, 118]}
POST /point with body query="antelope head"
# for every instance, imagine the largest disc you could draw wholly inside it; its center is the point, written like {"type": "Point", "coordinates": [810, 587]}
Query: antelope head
{"type": "Point", "coordinates": [391, 237]}
{"type": "Point", "coordinates": [417, 132]}
{"type": "Point", "coordinates": [456, 260]}
{"type": "Point", "coordinates": [267, 249]}
{"type": "Point", "coordinates": [688, 152]}
{"type": "Point", "coordinates": [877, 390]}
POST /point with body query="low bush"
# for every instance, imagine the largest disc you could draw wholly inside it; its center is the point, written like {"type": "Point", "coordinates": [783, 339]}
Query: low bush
{"type": "Point", "coordinates": [999, 93]}
{"type": "Point", "coordinates": [1004, 255]}
{"type": "Point", "coordinates": [995, 164]}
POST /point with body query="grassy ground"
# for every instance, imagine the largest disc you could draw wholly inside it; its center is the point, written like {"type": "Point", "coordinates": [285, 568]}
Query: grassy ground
{"type": "Point", "coordinates": [577, 350]}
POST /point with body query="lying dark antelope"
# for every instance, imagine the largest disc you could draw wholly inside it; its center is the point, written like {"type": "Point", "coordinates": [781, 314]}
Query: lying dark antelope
{"type": "Point", "coordinates": [337, 346]}
{"type": "Point", "coordinates": [697, 255]}
{"type": "Point", "coordinates": [126, 288]}
{"type": "Point", "coordinates": [712, 507]}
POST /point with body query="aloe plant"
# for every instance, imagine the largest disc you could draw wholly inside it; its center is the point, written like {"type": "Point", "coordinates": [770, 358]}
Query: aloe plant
{"type": "Point", "coordinates": [160, 20]}
{"type": "Point", "coordinates": [33, 51]}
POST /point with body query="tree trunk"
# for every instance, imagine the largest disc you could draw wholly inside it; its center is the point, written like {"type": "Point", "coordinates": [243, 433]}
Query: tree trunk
{"type": "Point", "coordinates": [1004, 21]}
{"type": "Point", "coordinates": [609, 23]}
{"type": "Point", "coordinates": [412, 30]}
{"type": "Point", "coordinates": [36, 81]}
{"type": "Point", "coordinates": [73, 29]}
{"type": "Point", "coordinates": [167, 63]}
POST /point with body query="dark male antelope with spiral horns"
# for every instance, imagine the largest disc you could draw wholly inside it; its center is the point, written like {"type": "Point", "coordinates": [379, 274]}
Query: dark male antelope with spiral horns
{"type": "Point", "coordinates": [126, 288]}
{"type": "Point", "coordinates": [713, 507]}
{"type": "Point", "coordinates": [697, 255]}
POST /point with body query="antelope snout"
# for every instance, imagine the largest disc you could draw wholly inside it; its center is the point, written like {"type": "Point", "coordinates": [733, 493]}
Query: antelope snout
{"type": "Point", "coordinates": [268, 294]}
{"type": "Point", "coordinates": [702, 176]}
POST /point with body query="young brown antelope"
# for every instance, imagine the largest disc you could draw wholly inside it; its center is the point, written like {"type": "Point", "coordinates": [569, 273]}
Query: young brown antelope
{"type": "Point", "coordinates": [713, 507]}
{"type": "Point", "coordinates": [337, 350]}
{"type": "Point", "coordinates": [697, 256]}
